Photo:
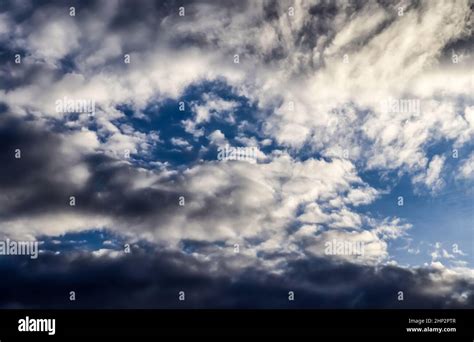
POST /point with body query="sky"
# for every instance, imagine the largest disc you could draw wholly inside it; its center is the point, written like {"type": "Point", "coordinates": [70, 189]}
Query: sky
{"type": "Point", "coordinates": [355, 120]}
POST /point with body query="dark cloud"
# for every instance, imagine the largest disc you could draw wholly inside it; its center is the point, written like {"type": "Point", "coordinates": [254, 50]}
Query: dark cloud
{"type": "Point", "coordinates": [154, 278]}
{"type": "Point", "coordinates": [32, 183]}
{"type": "Point", "coordinates": [40, 183]}
{"type": "Point", "coordinates": [37, 183]}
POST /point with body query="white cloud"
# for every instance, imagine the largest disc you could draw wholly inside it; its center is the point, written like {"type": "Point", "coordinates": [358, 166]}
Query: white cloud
{"type": "Point", "coordinates": [432, 177]}
{"type": "Point", "coordinates": [374, 249]}
{"type": "Point", "coordinates": [295, 60]}
{"type": "Point", "coordinates": [466, 170]}
{"type": "Point", "coordinates": [182, 143]}
{"type": "Point", "coordinates": [217, 138]}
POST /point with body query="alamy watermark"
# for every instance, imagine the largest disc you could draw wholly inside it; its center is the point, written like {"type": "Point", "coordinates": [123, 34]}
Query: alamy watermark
{"type": "Point", "coordinates": [67, 105]}
{"type": "Point", "coordinates": [392, 105]}
{"type": "Point", "coordinates": [12, 247]}
{"type": "Point", "coordinates": [343, 247]}
{"type": "Point", "coordinates": [248, 154]}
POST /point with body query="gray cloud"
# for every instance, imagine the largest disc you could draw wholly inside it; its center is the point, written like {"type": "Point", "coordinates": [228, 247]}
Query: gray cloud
{"type": "Point", "coordinates": [317, 283]}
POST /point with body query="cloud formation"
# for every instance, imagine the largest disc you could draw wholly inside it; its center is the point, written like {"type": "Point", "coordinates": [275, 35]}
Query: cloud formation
{"type": "Point", "coordinates": [343, 100]}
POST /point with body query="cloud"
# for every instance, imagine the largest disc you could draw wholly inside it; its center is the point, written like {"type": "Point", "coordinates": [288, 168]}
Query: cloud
{"type": "Point", "coordinates": [180, 142]}
{"type": "Point", "coordinates": [308, 90]}
{"type": "Point", "coordinates": [253, 205]}
{"type": "Point", "coordinates": [316, 283]}
{"type": "Point", "coordinates": [466, 170]}
{"type": "Point", "coordinates": [432, 178]}
{"type": "Point", "coordinates": [439, 253]}
{"type": "Point", "coordinates": [306, 52]}
{"type": "Point", "coordinates": [54, 40]}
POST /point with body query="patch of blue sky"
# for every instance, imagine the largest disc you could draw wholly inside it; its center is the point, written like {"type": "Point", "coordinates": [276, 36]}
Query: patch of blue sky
{"type": "Point", "coordinates": [88, 240]}
{"type": "Point", "coordinates": [67, 64]}
{"type": "Point", "coordinates": [446, 215]}
{"type": "Point", "coordinates": [193, 246]}
{"type": "Point", "coordinates": [94, 239]}
{"type": "Point", "coordinates": [166, 118]}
